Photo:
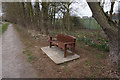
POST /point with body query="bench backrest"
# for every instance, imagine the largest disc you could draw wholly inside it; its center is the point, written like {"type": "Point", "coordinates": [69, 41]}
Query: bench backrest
{"type": "Point", "coordinates": [65, 38]}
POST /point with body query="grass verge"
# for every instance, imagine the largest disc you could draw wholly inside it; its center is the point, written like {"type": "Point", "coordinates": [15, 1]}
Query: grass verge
{"type": "Point", "coordinates": [4, 27]}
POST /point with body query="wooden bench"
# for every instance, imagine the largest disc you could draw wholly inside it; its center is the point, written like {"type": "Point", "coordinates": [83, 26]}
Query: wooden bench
{"type": "Point", "coordinates": [65, 42]}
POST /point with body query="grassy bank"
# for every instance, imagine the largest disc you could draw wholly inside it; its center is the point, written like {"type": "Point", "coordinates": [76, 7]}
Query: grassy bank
{"type": "Point", "coordinates": [4, 27]}
{"type": "Point", "coordinates": [93, 63]}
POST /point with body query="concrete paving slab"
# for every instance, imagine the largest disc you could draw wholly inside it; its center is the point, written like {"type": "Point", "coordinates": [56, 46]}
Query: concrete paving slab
{"type": "Point", "coordinates": [57, 55]}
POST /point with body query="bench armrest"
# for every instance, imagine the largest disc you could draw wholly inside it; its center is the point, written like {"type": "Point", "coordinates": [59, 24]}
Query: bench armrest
{"type": "Point", "coordinates": [51, 38]}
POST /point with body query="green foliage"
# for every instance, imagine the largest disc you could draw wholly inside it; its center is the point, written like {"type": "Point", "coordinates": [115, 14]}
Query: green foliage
{"type": "Point", "coordinates": [29, 54]}
{"type": "Point", "coordinates": [88, 25]}
{"type": "Point", "coordinates": [99, 35]}
{"type": "Point", "coordinates": [23, 52]}
{"type": "Point", "coordinates": [4, 27]}
{"type": "Point", "coordinates": [76, 21]}
{"type": "Point", "coordinates": [87, 40]}
{"type": "Point", "coordinates": [92, 44]}
{"type": "Point", "coordinates": [64, 63]}
{"type": "Point", "coordinates": [100, 56]}
{"type": "Point", "coordinates": [101, 46]}
{"type": "Point", "coordinates": [88, 63]}
{"type": "Point", "coordinates": [30, 58]}
{"type": "Point", "coordinates": [95, 34]}
{"type": "Point", "coordinates": [78, 40]}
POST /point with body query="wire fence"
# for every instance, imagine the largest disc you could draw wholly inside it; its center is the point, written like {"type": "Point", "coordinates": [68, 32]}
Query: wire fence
{"type": "Point", "coordinates": [90, 23]}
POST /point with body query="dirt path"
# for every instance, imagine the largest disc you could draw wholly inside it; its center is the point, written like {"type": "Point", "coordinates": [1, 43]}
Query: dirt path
{"type": "Point", "coordinates": [14, 65]}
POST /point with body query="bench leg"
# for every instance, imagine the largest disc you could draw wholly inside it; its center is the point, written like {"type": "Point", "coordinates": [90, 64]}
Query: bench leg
{"type": "Point", "coordinates": [64, 53]}
{"type": "Point", "coordinates": [73, 48]}
{"type": "Point", "coordinates": [65, 50]}
{"type": "Point", "coordinates": [50, 44]}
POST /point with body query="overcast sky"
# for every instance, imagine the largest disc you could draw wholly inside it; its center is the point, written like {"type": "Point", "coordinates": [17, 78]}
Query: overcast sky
{"type": "Point", "coordinates": [81, 8]}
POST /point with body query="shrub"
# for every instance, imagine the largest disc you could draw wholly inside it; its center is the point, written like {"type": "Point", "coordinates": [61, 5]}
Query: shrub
{"type": "Point", "coordinates": [101, 46]}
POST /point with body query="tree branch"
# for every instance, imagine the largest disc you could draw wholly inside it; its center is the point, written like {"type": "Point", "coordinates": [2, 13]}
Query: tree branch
{"type": "Point", "coordinates": [111, 11]}
{"type": "Point", "coordinates": [102, 19]}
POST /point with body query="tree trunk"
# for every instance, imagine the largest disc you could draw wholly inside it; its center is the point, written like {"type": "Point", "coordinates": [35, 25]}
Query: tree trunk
{"type": "Point", "coordinates": [54, 16]}
{"type": "Point", "coordinates": [114, 52]}
{"type": "Point", "coordinates": [37, 15]}
{"type": "Point", "coordinates": [111, 11]}
{"type": "Point", "coordinates": [45, 7]}
{"type": "Point", "coordinates": [119, 43]}
{"type": "Point", "coordinates": [68, 17]}
{"type": "Point", "coordinates": [109, 28]}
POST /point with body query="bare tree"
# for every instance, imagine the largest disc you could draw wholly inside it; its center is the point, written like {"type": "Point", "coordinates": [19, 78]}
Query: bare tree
{"type": "Point", "coordinates": [37, 15]}
{"type": "Point", "coordinates": [110, 28]}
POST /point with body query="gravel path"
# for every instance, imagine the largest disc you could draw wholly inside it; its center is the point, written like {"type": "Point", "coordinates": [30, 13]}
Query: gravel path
{"type": "Point", "coordinates": [14, 65]}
